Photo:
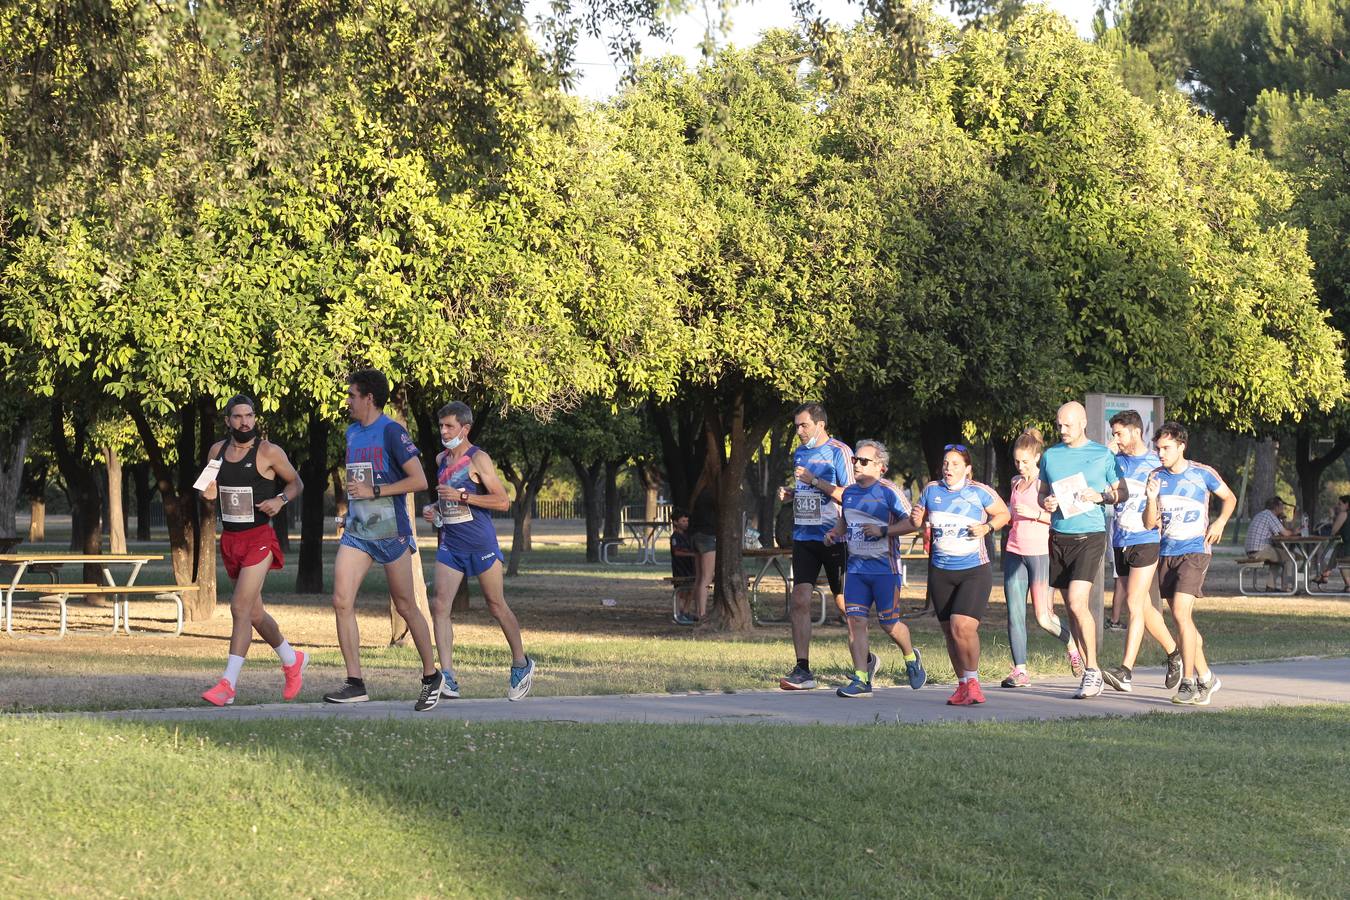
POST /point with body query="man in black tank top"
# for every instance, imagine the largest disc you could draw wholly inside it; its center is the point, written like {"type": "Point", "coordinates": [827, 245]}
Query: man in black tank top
{"type": "Point", "coordinates": [254, 481]}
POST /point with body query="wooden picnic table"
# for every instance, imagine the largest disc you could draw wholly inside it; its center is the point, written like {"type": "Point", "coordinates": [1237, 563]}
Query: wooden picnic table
{"type": "Point", "coordinates": [26, 563]}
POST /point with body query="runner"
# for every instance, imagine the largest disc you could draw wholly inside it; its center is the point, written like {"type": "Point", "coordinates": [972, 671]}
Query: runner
{"type": "Point", "coordinates": [875, 513]}
{"type": "Point", "coordinates": [246, 482]}
{"type": "Point", "coordinates": [1177, 495]}
{"type": "Point", "coordinates": [823, 468]}
{"type": "Point", "coordinates": [1076, 476]}
{"type": "Point", "coordinates": [961, 512]}
{"type": "Point", "coordinates": [467, 487]}
{"type": "Point", "coordinates": [1026, 562]}
{"type": "Point", "coordinates": [382, 467]}
{"type": "Point", "coordinates": [1136, 555]}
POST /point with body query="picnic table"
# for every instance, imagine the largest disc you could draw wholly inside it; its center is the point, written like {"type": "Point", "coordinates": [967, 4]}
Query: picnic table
{"type": "Point", "coordinates": [27, 564]}
{"type": "Point", "coordinates": [645, 532]}
{"type": "Point", "coordinates": [773, 557]}
{"type": "Point", "coordinates": [1304, 551]}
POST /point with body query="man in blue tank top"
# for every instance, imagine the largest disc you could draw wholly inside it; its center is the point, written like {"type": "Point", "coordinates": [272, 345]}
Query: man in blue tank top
{"type": "Point", "coordinates": [382, 468]}
{"type": "Point", "coordinates": [1078, 476]}
{"type": "Point", "coordinates": [1136, 555]}
{"type": "Point", "coordinates": [467, 488]}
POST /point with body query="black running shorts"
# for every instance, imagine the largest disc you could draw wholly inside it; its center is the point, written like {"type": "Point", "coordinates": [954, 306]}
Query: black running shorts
{"type": "Point", "coordinates": [960, 592]}
{"type": "Point", "coordinates": [1184, 574]}
{"type": "Point", "coordinates": [809, 557]}
{"type": "Point", "coordinates": [1075, 557]}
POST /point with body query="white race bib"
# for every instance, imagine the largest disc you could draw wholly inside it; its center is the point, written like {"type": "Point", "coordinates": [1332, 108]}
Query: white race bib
{"type": "Point", "coordinates": [860, 545]}
{"type": "Point", "coordinates": [806, 508]}
{"type": "Point", "coordinates": [360, 473]}
{"type": "Point", "coordinates": [236, 505]}
{"type": "Point", "coordinates": [453, 512]}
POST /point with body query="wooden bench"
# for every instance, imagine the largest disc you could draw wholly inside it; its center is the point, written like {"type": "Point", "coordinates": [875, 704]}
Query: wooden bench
{"type": "Point", "coordinates": [62, 593]}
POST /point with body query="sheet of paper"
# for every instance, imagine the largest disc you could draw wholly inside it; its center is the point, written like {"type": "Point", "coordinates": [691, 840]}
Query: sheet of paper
{"type": "Point", "coordinates": [1066, 491]}
{"type": "Point", "coordinates": [208, 475]}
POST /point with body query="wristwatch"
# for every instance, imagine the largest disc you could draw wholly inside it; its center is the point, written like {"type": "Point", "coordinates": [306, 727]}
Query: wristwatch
{"type": "Point", "coordinates": [376, 489]}
{"type": "Point", "coordinates": [463, 495]}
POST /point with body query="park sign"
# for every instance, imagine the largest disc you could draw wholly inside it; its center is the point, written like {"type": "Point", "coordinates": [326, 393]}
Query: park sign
{"type": "Point", "coordinates": [1101, 407]}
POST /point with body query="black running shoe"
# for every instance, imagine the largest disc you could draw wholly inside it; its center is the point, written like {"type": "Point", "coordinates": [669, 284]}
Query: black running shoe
{"type": "Point", "coordinates": [1118, 678]}
{"type": "Point", "coordinates": [798, 679]}
{"type": "Point", "coordinates": [431, 692]}
{"type": "Point", "coordinates": [1173, 676]}
{"type": "Point", "coordinates": [351, 692]}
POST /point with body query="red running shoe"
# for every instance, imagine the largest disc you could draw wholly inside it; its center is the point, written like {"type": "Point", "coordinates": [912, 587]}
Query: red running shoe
{"type": "Point", "coordinates": [295, 676]}
{"type": "Point", "coordinates": [973, 693]}
{"type": "Point", "coordinates": [958, 698]}
{"type": "Point", "coordinates": [220, 695]}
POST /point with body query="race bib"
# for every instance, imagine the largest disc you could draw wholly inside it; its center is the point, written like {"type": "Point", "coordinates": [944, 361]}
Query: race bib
{"type": "Point", "coordinates": [359, 473]}
{"type": "Point", "coordinates": [236, 505]}
{"type": "Point", "coordinates": [452, 512]}
{"type": "Point", "coordinates": [806, 508]}
{"type": "Point", "coordinates": [860, 545]}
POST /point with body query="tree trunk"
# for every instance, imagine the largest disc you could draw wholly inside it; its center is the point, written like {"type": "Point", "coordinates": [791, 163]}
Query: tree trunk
{"type": "Point", "coordinates": [527, 484]}
{"type": "Point", "coordinates": [37, 522]}
{"type": "Point", "coordinates": [117, 521]}
{"type": "Point", "coordinates": [281, 527]}
{"type": "Point", "coordinates": [679, 427]}
{"type": "Point", "coordinates": [204, 547]}
{"type": "Point", "coordinates": [613, 503]}
{"type": "Point", "coordinates": [83, 484]}
{"type": "Point", "coordinates": [731, 599]}
{"type": "Point", "coordinates": [398, 629]}
{"type": "Point", "coordinates": [313, 472]}
{"type": "Point", "coordinates": [592, 498]}
{"type": "Point", "coordinates": [140, 477]}
{"type": "Point", "coordinates": [773, 471]}
{"type": "Point", "coordinates": [13, 450]}
{"type": "Point", "coordinates": [1310, 467]}
{"type": "Point", "coordinates": [935, 432]}
{"type": "Point", "coordinates": [1263, 475]}
{"type": "Point", "coordinates": [651, 490]}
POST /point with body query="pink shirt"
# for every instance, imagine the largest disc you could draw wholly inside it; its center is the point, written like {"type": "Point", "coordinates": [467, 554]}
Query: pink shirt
{"type": "Point", "coordinates": [1027, 537]}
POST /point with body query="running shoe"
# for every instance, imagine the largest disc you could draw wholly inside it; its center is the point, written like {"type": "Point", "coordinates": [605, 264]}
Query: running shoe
{"type": "Point", "coordinates": [855, 689]}
{"type": "Point", "coordinates": [294, 676]}
{"type": "Point", "coordinates": [1173, 676]}
{"type": "Point", "coordinates": [1090, 686]}
{"type": "Point", "coordinates": [798, 679]}
{"type": "Point", "coordinates": [1016, 678]}
{"type": "Point", "coordinates": [352, 692]}
{"type": "Point", "coordinates": [1076, 664]}
{"type": "Point", "coordinates": [873, 667]}
{"type": "Point", "coordinates": [220, 695]}
{"type": "Point", "coordinates": [1205, 689]}
{"type": "Point", "coordinates": [431, 692]}
{"type": "Point", "coordinates": [1114, 626]}
{"type": "Point", "coordinates": [1185, 695]}
{"type": "Point", "coordinates": [959, 697]}
{"type": "Point", "coordinates": [522, 679]}
{"type": "Point", "coordinates": [915, 671]}
{"type": "Point", "coordinates": [449, 686]}
{"type": "Point", "coordinates": [973, 693]}
{"type": "Point", "coordinates": [684, 619]}
{"type": "Point", "coordinates": [1119, 679]}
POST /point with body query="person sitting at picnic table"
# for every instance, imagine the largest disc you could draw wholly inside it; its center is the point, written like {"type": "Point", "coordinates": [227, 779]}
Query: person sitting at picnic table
{"type": "Point", "coordinates": [1266, 524]}
{"type": "Point", "coordinates": [1340, 529]}
{"type": "Point", "coordinates": [682, 565]}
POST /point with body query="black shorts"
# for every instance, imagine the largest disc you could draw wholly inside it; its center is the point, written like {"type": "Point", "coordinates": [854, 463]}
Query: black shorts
{"type": "Point", "coordinates": [960, 592]}
{"type": "Point", "coordinates": [1184, 574]}
{"type": "Point", "coordinates": [1075, 557]}
{"type": "Point", "coordinates": [809, 557]}
{"type": "Point", "coordinates": [1137, 556]}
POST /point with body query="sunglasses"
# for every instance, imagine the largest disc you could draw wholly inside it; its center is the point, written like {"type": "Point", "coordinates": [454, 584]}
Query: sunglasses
{"type": "Point", "coordinates": [961, 447]}
{"type": "Point", "coordinates": [862, 461]}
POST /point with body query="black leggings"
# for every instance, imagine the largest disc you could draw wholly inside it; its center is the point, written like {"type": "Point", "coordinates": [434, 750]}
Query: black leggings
{"type": "Point", "coordinates": [960, 592]}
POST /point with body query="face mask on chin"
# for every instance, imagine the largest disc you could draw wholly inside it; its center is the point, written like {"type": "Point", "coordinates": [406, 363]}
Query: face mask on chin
{"type": "Point", "coordinates": [452, 443]}
{"type": "Point", "coordinates": [242, 437]}
{"type": "Point", "coordinates": [815, 442]}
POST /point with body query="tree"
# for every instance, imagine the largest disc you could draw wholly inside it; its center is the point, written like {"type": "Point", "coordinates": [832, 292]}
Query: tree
{"type": "Point", "coordinates": [524, 449]}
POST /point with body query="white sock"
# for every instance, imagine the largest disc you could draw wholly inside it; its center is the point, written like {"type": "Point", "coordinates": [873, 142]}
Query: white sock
{"type": "Point", "coordinates": [233, 666]}
{"type": "Point", "coordinates": [961, 680]}
{"type": "Point", "coordinates": [971, 676]}
{"type": "Point", "coordinates": [286, 652]}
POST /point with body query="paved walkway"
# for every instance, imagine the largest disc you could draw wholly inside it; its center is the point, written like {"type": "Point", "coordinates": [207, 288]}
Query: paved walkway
{"type": "Point", "coordinates": [1286, 683]}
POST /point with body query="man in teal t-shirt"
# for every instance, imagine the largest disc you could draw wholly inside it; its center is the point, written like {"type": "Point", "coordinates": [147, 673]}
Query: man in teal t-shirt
{"type": "Point", "coordinates": [1078, 477]}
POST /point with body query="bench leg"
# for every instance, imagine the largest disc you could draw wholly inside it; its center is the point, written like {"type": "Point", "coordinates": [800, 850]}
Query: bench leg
{"type": "Point", "coordinates": [824, 608]}
{"type": "Point", "coordinates": [178, 607]}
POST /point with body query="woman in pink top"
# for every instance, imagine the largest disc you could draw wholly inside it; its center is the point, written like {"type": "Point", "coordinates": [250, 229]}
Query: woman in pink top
{"type": "Point", "coordinates": [1026, 562]}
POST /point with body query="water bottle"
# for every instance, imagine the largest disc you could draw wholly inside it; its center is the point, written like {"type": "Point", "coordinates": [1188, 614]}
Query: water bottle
{"type": "Point", "coordinates": [1304, 525]}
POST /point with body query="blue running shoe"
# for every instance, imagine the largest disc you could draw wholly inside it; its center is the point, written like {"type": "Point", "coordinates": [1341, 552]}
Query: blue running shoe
{"type": "Point", "coordinates": [449, 686]}
{"type": "Point", "coordinates": [522, 679]}
{"type": "Point", "coordinates": [857, 688]}
{"type": "Point", "coordinates": [918, 676]}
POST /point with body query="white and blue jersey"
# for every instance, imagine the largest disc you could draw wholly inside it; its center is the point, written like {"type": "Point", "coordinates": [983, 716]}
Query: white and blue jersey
{"type": "Point", "coordinates": [376, 454]}
{"type": "Point", "coordinates": [951, 512]}
{"type": "Point", "coordinates": [1183, 501]}
{"type": "Point", "coordinates": [814, 513]}
{"type": "Point", "coordinates": [1127, 523]}
{"type": "Point", "coordinates": [882, 504]}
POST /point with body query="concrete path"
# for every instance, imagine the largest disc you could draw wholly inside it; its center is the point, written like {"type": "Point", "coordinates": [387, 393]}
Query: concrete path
{"type": "Point", "coordinates": [1285, 683]}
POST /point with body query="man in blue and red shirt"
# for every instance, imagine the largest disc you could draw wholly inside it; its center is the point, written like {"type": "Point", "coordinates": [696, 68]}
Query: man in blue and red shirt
{"type": "Point", "coordinates": [382, 467]}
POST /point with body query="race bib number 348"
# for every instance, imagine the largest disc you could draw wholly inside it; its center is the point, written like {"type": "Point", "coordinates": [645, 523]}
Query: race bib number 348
{"type": "Point", "coordinates": [806, 508]}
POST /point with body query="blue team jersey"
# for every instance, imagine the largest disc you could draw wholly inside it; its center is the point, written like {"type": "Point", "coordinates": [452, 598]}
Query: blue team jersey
{"type": "Point", "coordinates": [1183, 501]}
{"type": "Point", "coordinates": [464, 528]}
{"type": "Point", "coordinates": [376, 454]}
{"type": "Point", "coordinates": [880, 503]}
{"type": "Point", "coordinates": [813, 513]}
{"type": "Point", "coordinates": [950, 512]}
{"type": "Point", "coordinates": [1098, 467]}
{"type": "Point", "coordinates": [1127, 525]}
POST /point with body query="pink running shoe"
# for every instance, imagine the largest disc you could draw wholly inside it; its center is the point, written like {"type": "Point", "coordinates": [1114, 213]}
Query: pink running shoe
{"type": "Point", "coordinates": [1016, 678]}
{"type": "Point", "coordinates": [220, 695]}
{"type": "Point", "coordinates": [958, 698]}
{"type": "Point", "coordinates": [973, 693]}
{"type": "Point", "coordinates": [295, 676]}
{"type": "Point", "coordinates": [1076, 665]}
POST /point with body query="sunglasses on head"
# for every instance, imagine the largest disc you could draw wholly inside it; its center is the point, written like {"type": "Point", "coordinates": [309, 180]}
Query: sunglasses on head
{"type": "Point", "coordinates": [961, 447]}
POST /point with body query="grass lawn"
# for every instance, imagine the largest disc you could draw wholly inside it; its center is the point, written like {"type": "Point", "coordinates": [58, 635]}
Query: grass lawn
{"type": "Point", "coordinates": [582, 646]}
{"type": "Point", "coordinates": [1247, 803]}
